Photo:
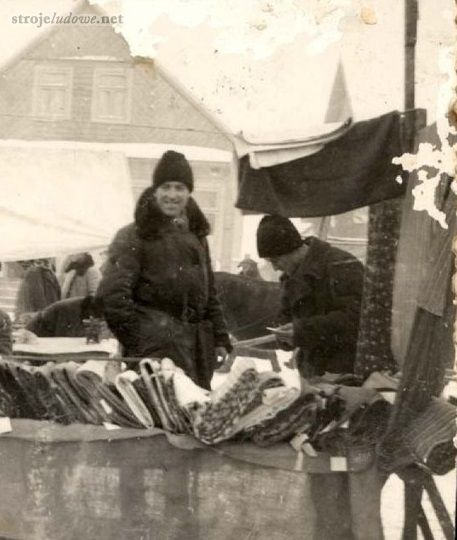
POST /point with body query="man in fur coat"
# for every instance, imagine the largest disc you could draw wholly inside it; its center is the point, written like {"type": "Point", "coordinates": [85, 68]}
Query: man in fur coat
{"type": "Point", "coordinates": [158, 285]}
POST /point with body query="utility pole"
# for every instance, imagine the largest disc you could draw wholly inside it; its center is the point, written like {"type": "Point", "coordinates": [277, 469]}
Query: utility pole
{"type": "Point", "coordinates": [411, 18]}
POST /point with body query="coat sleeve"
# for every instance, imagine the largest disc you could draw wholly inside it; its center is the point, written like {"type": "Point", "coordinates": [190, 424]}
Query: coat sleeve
{"type": "Point", "coordinates": [214, 309]}
{"type": "Point", "coordinates": [340, 324]}
{"type": "Point", "coordinates": [116, 287]}
{"type": "Point", "coordinates": [39, 325]}
{"type": "Point", "coordinates": [285, 315]}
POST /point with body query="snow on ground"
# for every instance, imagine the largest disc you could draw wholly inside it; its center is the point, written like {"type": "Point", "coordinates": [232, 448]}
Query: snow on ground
{"type": "Point", "coordinates": [392, 505]}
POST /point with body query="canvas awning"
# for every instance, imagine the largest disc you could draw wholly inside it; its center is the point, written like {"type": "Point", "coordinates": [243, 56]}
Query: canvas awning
{"type": "Point", "coordinates": [59, 201]}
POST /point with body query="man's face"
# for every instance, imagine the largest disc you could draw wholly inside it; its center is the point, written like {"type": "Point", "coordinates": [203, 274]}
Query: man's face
{"type": "Point", "coordinates": [279, 263]}
{"type": "Point", "coordinates": [172, 198]}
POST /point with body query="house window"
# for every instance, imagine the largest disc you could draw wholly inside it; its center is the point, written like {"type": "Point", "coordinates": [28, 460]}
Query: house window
{"type": "Point", "coordinates": [111, 95]}
{"type": "Point", "coordinates": [53, 89]}
{"type": "Point", "coordinates": [209, 198]}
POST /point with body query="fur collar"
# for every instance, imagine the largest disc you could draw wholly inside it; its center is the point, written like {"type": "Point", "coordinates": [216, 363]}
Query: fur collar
{"type": "Point", "coordinates": [150, 220]}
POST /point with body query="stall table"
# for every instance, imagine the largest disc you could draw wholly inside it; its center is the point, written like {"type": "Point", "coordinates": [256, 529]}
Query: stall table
{"type": "Point", "coordinates": [73, 482]}
{"type": "Point", "coordinates": [63, 348]}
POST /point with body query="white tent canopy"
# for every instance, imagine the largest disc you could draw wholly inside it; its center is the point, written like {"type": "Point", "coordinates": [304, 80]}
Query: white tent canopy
{"type": "Point", "coordinates": [60, 201]}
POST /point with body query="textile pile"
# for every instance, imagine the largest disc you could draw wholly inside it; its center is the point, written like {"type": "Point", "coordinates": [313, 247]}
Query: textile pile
{"type": "Point", "coordinates": [249, 405]}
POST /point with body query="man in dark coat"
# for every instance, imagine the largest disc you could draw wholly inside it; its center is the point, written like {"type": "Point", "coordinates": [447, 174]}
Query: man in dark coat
{"type": "Point", "coordinates": [158, 285]}
{"type": "Point", "coordinates": [321, 296]}
{"type": "Point", "coordinates": [38, 289]}
{"type": "Point", "coordinates": [6, 329]}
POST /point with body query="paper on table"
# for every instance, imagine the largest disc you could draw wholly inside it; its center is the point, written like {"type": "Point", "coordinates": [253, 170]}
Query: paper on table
{"type": "Point", "coordinates": [5, 425]}
{"type": "Point", "coordinates": [110, 427]}
{"type": "Point", "coordinates": [338, 463]}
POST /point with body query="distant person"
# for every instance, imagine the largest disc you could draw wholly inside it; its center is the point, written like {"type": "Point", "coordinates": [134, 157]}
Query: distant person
{"type": "Point", "coordinates": [81, 278]}
{"type": "Point", "coordinates": [6, 340]}
{"type": "Point", "coordinates": [65, 318]}
{"type": "Point", "coordinates": [249, 268]}
{"type": "Point", "coordinates": [39, 288]}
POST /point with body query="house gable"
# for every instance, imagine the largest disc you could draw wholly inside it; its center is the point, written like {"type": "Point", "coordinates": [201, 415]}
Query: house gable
{"type": "Point", "coordinates": [157, 112]}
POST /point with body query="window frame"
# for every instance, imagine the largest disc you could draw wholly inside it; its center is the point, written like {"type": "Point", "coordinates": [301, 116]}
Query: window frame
{"type": "Point", "coordinates": [116, 70]}
{"type": "Point", "coordinates": [41, 69]}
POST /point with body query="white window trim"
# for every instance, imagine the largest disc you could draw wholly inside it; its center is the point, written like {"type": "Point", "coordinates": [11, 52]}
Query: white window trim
{"type": "Point", "coordinates": [43, 68]}
{"type": "Point", "coordinates": [111, 120]}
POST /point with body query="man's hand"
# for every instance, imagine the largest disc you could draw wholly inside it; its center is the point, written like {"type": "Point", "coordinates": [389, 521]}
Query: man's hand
{"type": "Point", "coordinates": [285, 336]}
{"type": "Point", "coordinates": [221, 354]}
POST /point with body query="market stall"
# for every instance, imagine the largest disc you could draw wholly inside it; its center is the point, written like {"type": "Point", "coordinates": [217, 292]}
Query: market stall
{"type": "Point", "coordinates": [105, 451]}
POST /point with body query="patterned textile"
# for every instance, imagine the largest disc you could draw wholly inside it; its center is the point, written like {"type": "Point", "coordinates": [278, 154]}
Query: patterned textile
{"type": "Point", "coordinates": [215, 422]}
{"type": "Point", "coordinates": [299, 417]}
{"type": "Point", "coordinates": [373, 348]}
{"type": "Point", "coordinates": [274, 400]}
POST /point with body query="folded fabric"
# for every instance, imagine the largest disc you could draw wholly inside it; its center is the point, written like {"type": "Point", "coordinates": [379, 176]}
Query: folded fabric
{"type": "Point", "coordinates": [297, 418]}
{"type": "Point", "coordinates": [140, 387]}
{"type": "Point", "coordinates": [24, 376]}
{"type": "Point", "coordinates": [434, 427]}
{"type": "Point", "coordinates": [64, 375]}
{"type": "Point", "coordinates": [105, 399]}
{"type": "Point", "coordinates": [441, 459]}
{"type": "Point", "coordinates": [355, 397]}
{"type": "Point", "coordinates": [329, 414]}
{"type": "Point", "coordinates": [382, 380]}
{"type": "Point", "coordinates": [51, 396]}
{"type": "Point", "coordinates": [150, 373]}
{"type": "Point", "coordinates": [19, 404]}
{"type": "Point", "coordinates": [275, 400]}
{"type": "Point", "coordinates": [124, 384]}
{"type": "Point", "coordinates": [266, 381]}
{"type": "Point", "coordinates": [8, 404]}
{"type": "Point", "coordinates": [189, 395]}
{"type": "Point", "coordinates": [365, 427]}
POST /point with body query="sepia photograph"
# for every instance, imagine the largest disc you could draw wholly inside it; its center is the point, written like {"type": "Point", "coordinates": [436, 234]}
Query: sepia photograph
{"type": "Point", "coordinates": [227, 269]}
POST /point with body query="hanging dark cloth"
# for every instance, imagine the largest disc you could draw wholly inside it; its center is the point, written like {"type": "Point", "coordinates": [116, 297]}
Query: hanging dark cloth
{"type": "Point", "coordinates": [354, 171]}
